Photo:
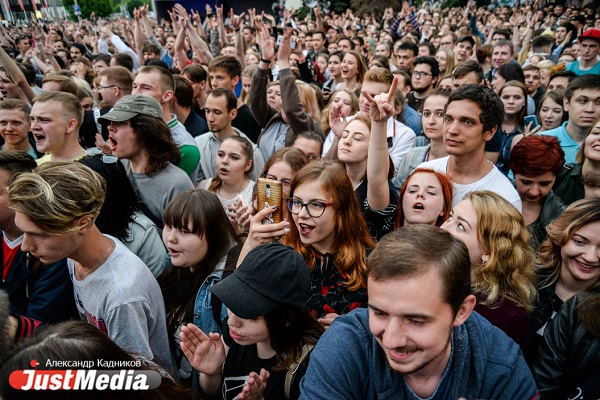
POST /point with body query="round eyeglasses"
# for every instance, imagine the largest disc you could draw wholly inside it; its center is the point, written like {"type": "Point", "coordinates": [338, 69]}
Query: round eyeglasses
{"type": "Point", "coordinates": [106, 158]}
{"type": "Point", "coordinates": [314, 208]}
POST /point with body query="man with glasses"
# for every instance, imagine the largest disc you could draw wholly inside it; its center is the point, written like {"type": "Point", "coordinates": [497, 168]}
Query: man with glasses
{"type": "Point", "coordinates": [115, 82]}
{"type": "Point", "coordinates": [447, 41]}
{"type": "Point", "coordinates": [424, 79]}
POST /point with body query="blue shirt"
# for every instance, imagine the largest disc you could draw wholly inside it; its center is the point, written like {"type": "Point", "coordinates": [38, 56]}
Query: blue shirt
{"type": "Point", "coordinates": [574, 66]}
{"type": "Point", "coordinates": [567, 143]}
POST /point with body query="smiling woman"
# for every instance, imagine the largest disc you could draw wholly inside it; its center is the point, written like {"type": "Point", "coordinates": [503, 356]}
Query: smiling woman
{"type": "Point", "coordinates": [570, 260]}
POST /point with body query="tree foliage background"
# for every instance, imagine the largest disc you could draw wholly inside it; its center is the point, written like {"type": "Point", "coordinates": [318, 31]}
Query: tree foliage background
{"type": "Point", "coordinates": [102, 8]}
{"type": "Point", "coordinates": [375, 8]}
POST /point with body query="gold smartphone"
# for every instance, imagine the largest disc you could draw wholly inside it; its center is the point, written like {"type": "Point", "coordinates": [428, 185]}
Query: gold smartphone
{"type": "Point", "coordinates": [268, 194]}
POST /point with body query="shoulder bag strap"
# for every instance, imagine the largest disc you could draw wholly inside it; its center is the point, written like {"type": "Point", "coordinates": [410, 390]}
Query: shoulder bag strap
{"type": "Point", "coordinates": [291, 370]}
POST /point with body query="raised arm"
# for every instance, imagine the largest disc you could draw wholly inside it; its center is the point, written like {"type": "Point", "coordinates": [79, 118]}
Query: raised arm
{"type": "Point", "coordinates": [261, 110]}
{"type": "Point", "coordinates": [17, 76]}
{"type": "Point", "coordinates": [378, 160]}
{"type": "Point", "coordinates": [180, 51]}
{"type": "Point", "coordinates": [238, 40]}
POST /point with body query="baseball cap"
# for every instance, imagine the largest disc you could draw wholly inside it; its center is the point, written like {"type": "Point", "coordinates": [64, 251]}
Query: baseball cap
{"type": "Point", "coordinates": [591, 33]}
{"type": "Point", "coordinates": [130, 106]}
{"type": "Point", "coordinates": [271, 275]}
{"type": "Point", "coordinates": [467, 38]}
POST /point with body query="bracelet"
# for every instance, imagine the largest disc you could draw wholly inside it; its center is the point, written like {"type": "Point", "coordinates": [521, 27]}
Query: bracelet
{"type": "Point", "coordinates": [237, 30]}
{"type": "Point", "coordinates": [377, 148]}
{"type": "Point", "coordinates": [265, 61]}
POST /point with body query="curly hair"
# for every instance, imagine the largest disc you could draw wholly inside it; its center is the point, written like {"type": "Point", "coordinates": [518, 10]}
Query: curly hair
{"type": "Point", "coordinates": [560, 231]}
{"type": "Point", "coordinates": [351, 236]}
{"type": "Point", "coordinates": [502, 234]}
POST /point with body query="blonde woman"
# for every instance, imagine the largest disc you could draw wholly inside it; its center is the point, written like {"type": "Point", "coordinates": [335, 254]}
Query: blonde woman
{"type": "Point", "coordinates": [445, 59]}
{"type": "Point", "coordinates": [502, 260]}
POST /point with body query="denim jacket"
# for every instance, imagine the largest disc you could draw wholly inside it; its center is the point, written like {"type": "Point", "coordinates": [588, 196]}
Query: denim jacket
{"type": "Point", "coordinates": [203, 313]}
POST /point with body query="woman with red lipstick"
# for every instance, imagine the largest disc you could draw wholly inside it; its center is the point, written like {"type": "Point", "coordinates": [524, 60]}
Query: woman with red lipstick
{"type": "Point", "coordinates": [270, 335]}
{"type": "Point", "coordinates": [201, 244]}
{"type": "Point", "coordinates": [570, 262]}
{"type": "Point", "coordinates": [232, 181]}
{"type": "Point", "coordinates": [535, 162]}
{"type": "Point", "coordinates": [332, 236]}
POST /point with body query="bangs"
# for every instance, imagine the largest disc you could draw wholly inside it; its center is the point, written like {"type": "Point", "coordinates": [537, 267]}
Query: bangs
{"type": "Point", "coordinates": [184, 211]}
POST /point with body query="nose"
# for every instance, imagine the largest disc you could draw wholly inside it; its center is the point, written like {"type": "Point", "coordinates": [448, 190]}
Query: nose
{"type": "Point", "coordinates": [303, 213]}
{"type": "Point", "coordinates": [27, 244]}
{"type": "Point", "coordinates": [451, 127]}
{"type": "Point", "coordinates": [393, 337]}
{"type": "Point", "coordinates": [535, 190]}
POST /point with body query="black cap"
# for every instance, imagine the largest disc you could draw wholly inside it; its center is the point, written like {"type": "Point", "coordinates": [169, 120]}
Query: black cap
{"type": "Point", "coordinates": [271, 275]}
{"type": "Point", "coordinates": [466, 37]}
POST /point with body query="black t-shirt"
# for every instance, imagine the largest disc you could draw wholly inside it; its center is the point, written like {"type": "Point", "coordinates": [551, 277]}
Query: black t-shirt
{"type": "Point", "coordinates": [414, 102]}
{"type": "Point", "coordinates": [245, 122]}
{"type": "Point", "coordinates": [241, 360]}
{"type": "Point", "coordinates": [494, 145]}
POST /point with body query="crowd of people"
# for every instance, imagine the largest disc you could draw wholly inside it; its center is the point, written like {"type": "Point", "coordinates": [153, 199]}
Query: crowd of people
{"type": "Point", "coordinates": [440, 201]}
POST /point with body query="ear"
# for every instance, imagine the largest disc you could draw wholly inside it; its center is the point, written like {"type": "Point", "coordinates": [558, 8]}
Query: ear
{"type": "Point", "coordinates": [566, 104]}
{"type": "Point", "coordinates": [168, 96]}
{"type": "Point", "coordinates": [202, 85]}
{"type": "Point", "coordinates": [465, 310]}
{"type": "Point", "coordinates": [485, 257]}
{"type": "Point", "coordinates": [233, 113]}
{"type": "Point", "coordinates": [72, 126]}
{"type": "Point", "coordinates": [487, 136]}
{"type": "Point", "coordinates": [84, 224]}
{"type": "Point", "coordinates": [249, 165]}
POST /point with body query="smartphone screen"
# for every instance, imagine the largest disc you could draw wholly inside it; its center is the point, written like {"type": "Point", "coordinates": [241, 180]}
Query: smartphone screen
{"type": "Point", "coordinates": [531, 118]}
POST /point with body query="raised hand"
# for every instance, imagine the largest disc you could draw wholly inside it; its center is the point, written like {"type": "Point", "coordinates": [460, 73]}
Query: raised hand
{"type": "Point", "coordinates": [337, 120]}
{"type": "Point", "coordinates": [236, 20]}
{"type": "Point", "coordinates": [267, 47]}
{"type": "Point", "coordinates": [254, 388]}
{"type": "Point", "coordinates": [382, 106]}
{"type": "Point", "coordinates": [285, 49]}
{"type": "Point", "coordinates": [205, 353]}
{"type": "Point", "coordinates": [181, 12]}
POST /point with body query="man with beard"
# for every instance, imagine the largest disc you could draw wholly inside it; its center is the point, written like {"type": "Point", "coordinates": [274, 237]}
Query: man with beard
{"type": "Point", "coordinates": [413, 343]}
{"type": "Point", "coordinates": [424, 79]}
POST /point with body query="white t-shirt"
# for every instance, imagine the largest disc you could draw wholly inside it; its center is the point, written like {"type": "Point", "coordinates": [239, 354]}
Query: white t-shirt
{"type": "Point", "coordinates": [494, 181]}
{"type": "Point", "coordinates": [122, 299]}
{"type": "Point", "coordinates": [401, 136]}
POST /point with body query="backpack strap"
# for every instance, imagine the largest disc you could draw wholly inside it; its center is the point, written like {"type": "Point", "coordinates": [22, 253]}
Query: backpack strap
{"type": "Point", "coordinates": [293, 368]}
{"type": "Point", "coordinates": [231, 261]}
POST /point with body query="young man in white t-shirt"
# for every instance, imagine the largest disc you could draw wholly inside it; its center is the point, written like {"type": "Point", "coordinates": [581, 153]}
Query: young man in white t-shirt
{"type": "Point", "coordinates": [471, 118]}
{"type": "Point", "coordinates": [55, 208]}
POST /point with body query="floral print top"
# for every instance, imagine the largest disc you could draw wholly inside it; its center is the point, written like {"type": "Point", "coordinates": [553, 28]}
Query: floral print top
{"type": "Point", "coordinates": [329, 294]}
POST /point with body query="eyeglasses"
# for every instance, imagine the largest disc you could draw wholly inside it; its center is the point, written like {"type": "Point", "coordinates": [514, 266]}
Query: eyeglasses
{"type": "Point", "coordinates": [284, 182]}
{"type": "Point", "coordinates": [106, 158]}
{"type": "Point", "coordinates": [107, 87]}
{"type": "Point", "coordinates": [314, 208]}
{"type": "Point", "coordinates": [421, 74]}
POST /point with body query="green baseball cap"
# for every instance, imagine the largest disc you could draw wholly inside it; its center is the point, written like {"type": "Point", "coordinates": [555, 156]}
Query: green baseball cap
{"type": "Point", "coordinates": [129, 106]}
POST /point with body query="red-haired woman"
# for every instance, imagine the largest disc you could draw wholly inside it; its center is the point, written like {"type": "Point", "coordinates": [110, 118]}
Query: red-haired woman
{"type": "Point", "coordinates": [536, 161]}
{"type": "Point", "coordinates": [425, 198]}
{"type": "Point", "coordinates": [326, 228]}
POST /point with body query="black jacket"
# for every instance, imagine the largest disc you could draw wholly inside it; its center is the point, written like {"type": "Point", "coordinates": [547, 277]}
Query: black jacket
{"type": "Point", "coordinates": [567, 355]}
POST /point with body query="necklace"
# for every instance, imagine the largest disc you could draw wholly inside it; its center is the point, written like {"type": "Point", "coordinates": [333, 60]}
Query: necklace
{"type": "Point", "coordinates": [81, 276]}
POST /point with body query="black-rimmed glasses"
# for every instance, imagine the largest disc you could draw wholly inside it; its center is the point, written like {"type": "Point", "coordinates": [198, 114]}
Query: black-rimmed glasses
{"type": "Point", "coordinates": [314, 208]}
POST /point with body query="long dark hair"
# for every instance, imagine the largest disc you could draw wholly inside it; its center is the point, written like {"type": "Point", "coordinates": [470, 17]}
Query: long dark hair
{"type": "Point", "coordinates": [155, 137]}
{"type": "Point", "coordinates": [203, 210]}
{"type": "Point", "coordinates": [120, 202]}
{"type": "Point", "coordinates": [290, 329]}
{"type": "Point", "coordinates": [78, 341]}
